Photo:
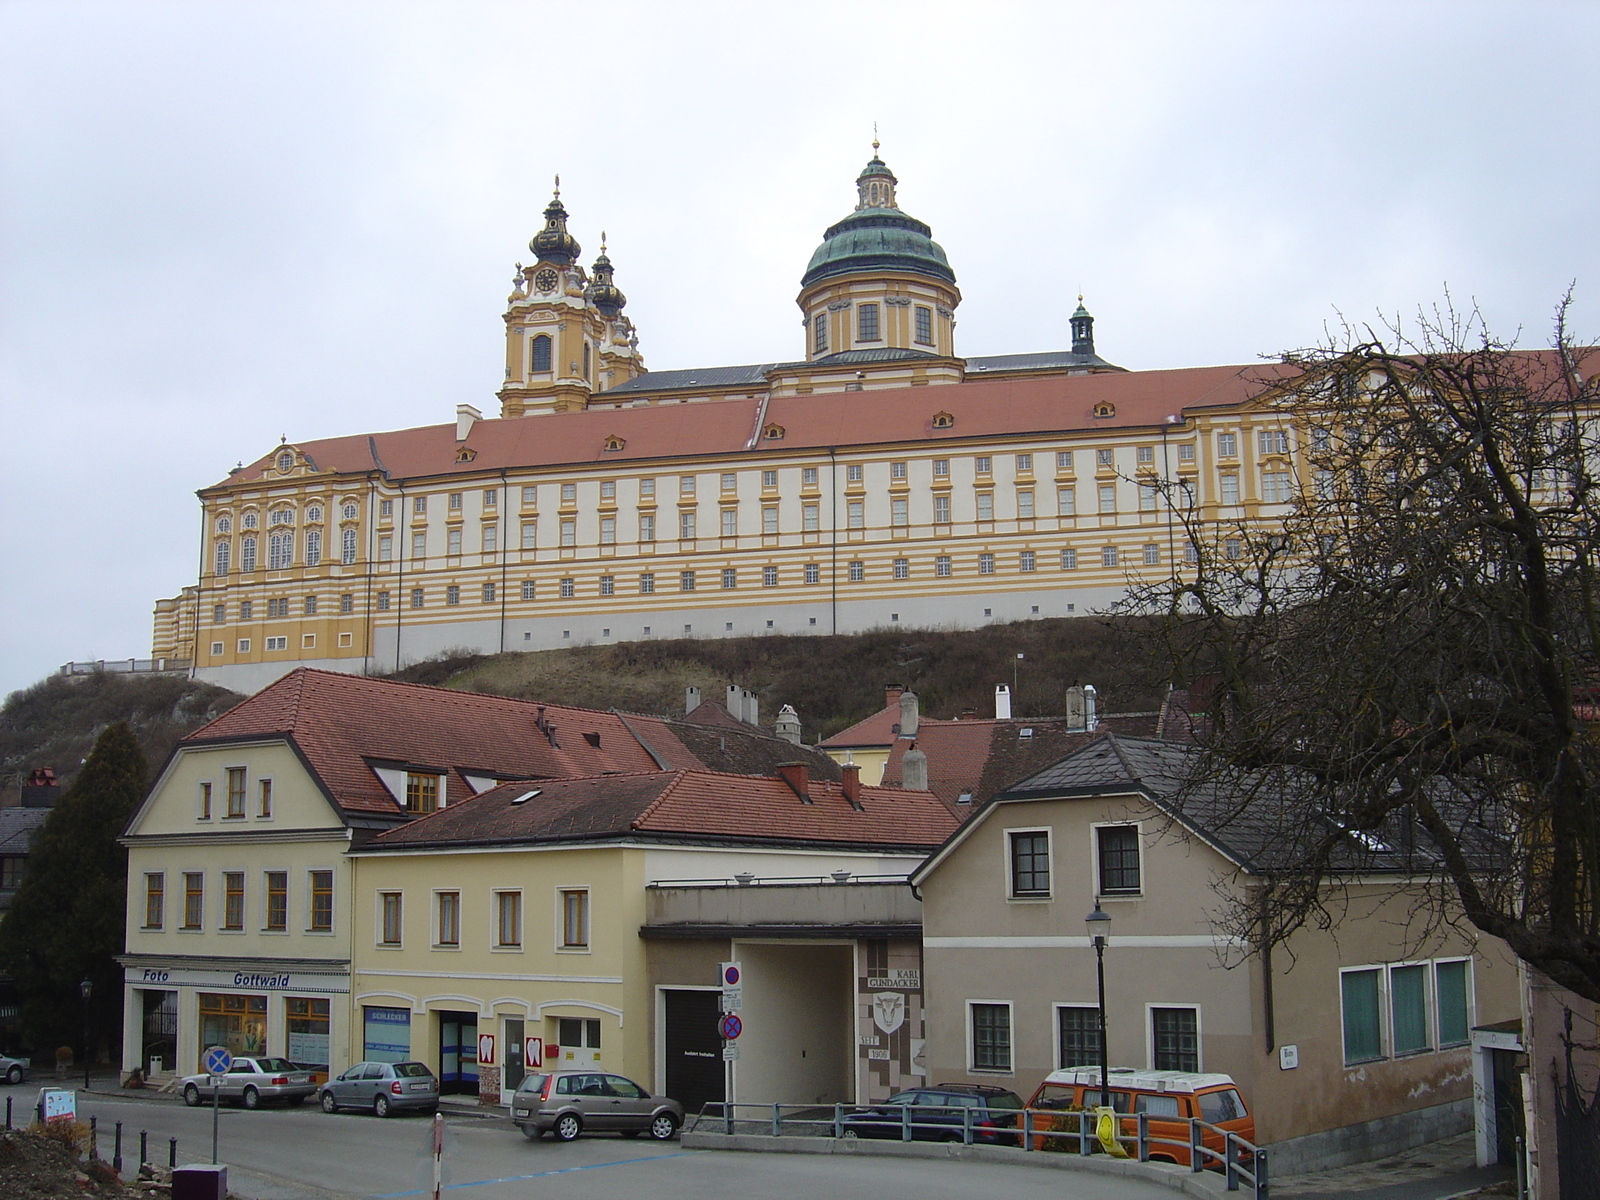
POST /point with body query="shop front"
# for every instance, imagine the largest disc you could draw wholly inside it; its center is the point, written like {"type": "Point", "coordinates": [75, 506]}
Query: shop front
{"type": "Point", "coordinates": [174, 1009]}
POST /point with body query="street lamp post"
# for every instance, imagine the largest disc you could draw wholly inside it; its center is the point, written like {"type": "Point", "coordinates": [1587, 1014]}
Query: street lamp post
{"type": "Point", "coordinates": [86, 987]}
{"type": "Point", "coordinates": [1098, 923]}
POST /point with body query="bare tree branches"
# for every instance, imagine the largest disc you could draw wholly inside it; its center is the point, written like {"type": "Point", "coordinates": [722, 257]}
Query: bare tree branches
{"type": "Point", "coordinates": [1412, 656]}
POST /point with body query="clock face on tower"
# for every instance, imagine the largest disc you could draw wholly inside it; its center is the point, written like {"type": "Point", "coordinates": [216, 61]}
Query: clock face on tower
{"type": "Point", "coordinates": [545, 280]}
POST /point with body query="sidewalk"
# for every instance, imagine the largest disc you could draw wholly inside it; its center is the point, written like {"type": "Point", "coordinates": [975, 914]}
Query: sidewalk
{"type": "Point", "coordinates": [1433, 1172]}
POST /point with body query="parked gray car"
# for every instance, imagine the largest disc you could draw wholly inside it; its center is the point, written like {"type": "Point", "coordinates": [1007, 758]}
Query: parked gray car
{"type": "Point", "coordinates": [14, 1070]}
{"type": "Point", "coordinates": [382, 1088]}
{"type": "Point", "coordinates": [250, 1081]}
{"type": "Point", "coordinates": [572, 1102]}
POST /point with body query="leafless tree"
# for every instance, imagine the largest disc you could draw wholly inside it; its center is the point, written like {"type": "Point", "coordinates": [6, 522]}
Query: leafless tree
{"type": "Point", "coordinates": [1409, 662]}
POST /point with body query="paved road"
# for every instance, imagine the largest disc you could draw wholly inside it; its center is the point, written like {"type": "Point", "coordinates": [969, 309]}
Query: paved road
{"type": "Point", "coordinates": [304, 1154]}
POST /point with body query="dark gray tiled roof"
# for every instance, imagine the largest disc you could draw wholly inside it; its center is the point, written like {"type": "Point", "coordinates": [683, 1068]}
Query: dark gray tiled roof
{"type": "Point", "coordinates": [1258, 819]}
{"type": "Point", "coordinates": [17, 826]}
{"type": "Point", "coordinates": [845, 357]}
{"type": "Point", "coordinates": [1043, 361]}
{"type": "Point", "coordinates": [754, 374]}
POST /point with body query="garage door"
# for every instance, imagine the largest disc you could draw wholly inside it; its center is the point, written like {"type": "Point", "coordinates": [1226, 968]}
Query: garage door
{"type": "Point", "coordinates": [694, 1073]}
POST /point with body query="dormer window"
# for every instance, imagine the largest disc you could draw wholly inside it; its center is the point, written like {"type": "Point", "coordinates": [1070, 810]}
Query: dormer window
{"type": "Point", "coordinates": [943, 420]}
{"type": "Point", "coordinates": [1105, 409]}
{"type": "Point", "coordinates": [285, 462]}
{"type": "Point", "coordinates": [465, 455]}
{"type": "Point", "coordinates": [422, 793]}
{"type": "Point", "coordinates": [614, 443]}
{"type": "Point", "coordinates": [773, 432]}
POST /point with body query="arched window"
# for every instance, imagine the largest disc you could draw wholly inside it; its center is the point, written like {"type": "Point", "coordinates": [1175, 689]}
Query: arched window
{"type": "Point", "coordinates": [539, 353]}
{"type": "Point", "coordinates": [280, 551]}
{"type": "Point", "coordinates": [347, 549]}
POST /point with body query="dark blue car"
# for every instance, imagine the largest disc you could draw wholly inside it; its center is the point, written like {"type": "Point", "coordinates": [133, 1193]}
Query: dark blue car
{"type": "Point", "coordinates": [941, 1114]}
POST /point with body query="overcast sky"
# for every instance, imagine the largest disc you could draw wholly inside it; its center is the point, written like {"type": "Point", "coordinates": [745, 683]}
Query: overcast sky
{"type": "Point", "coordinates": [225, 222]}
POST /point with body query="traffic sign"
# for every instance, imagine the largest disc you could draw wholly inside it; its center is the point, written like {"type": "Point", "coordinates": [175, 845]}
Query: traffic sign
{"type": "Point", "coordinates": [730, 974]}
{"type": "Point", "coordinates": [217, 1060]}
{"type": "Point", "coordinates": [730, 1026]}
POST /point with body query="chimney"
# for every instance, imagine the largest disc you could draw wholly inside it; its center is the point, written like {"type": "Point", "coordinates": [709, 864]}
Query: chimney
{"type": "Point", "coordinates": [798, 776]}
{"type": "Point", "coordinates": [466, 417]}
{"type": "Point", "coordinates": [1002, 702]}
{"type": "Point", "coordinates": [787, 726]}
{"type": "Point", "coordinates": [752, 708]}
{"type": "Point", "coordinates": [851, 774]}
{"type": "Point", "coordinates": [1077, 713]}
{"type": "Point", "coordinates": [891, 695]}
{"type": "Point", "coordinates": [1091, 718]}
{"type": "Point", "coordinates": [691, 699]}
{"type": "Point", "coordinates": [908, 714]}
{"type": "Point", "coordinates": [914, 770]}
{"type": "Point", "coordinates": [41, 790]}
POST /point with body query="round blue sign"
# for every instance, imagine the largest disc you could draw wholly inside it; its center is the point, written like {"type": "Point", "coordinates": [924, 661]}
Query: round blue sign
{"type": "Point", "coordinates": [731, 976]}
{"type": "Point", "coordinates": [731, 1027]}
{"type": "Point", "coordinates": [217, 1060]}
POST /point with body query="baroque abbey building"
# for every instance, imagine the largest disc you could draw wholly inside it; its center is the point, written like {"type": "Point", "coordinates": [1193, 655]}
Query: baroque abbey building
{"type": "Point", "coordinates": [878, 479]}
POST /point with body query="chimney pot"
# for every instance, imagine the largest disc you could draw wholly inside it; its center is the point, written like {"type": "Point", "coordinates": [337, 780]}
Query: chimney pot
{"type": "Point", "coordinates": [851, 774]}
{"type": "Point", "coordinates": [914, 770]}
{"type": "Point", "coordinates": [466, 417]}
{"type": "Point", "coordinates": [1002, 702]}
{"type": "Point", "coordinates": [908, 714]}
{"type": "Point", "coordinates": [691, 699]}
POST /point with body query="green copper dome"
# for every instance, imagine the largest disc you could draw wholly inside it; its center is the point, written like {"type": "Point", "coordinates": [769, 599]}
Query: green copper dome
{"type": "Point", "coordinates": [877, 236]}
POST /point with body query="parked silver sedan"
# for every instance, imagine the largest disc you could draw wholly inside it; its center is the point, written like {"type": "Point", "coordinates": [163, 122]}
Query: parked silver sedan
{"type": "Point", "coordinates": [252, 1080]}
{"type": "Point", "coordinates": [382, 1088]}
{"type": "Point", "coordinates": [569, 1103]}
{"type": "Point", "coordinates": [14, 1070]}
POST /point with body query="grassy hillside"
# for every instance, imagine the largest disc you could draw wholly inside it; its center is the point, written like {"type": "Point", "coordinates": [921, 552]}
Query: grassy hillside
{"type": "Point", "coordinates": [55, 722]}
{"type": "Point", "coordinates": [831, 681]}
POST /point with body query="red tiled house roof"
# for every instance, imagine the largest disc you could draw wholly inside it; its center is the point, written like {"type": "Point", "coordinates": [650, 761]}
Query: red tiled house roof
{"type": "Point", "coordinates": [679, 806]}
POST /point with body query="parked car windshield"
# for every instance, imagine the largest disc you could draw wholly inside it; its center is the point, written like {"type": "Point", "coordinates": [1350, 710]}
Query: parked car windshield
{"type": "Point", "coordinates": [533, 1083]}
{"type": "Point", "coordinates": [1056, 1096]}
{"type": "Point", "coordinates": [412, 1070]}
{"type": "Point", "coordinates": [1222, 1105]}
{"type": "Point", "coordinates": [275, 1064]}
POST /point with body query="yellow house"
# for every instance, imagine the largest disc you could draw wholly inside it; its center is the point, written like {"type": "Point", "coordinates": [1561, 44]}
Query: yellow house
{"type": "Point", "coordinates": [583, 921]}
{"type": "Point", "coordinates": [239, 906]}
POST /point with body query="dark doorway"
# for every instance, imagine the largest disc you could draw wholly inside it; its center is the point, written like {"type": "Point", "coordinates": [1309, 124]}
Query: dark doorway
{"type": "Point", "coordinates": [693, 1048]}
{"type": "Point", "coordinates": [160, 1031]}
{"type": "Point", "coordinates": [458, 1053]}
{"type": "Point", "coordinates": [1508, 1113]}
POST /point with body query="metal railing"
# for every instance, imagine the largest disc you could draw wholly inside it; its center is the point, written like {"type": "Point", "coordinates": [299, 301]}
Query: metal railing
{"type": "Point", "coordinates": [128, 666]}
{"type": "Point", "coordinates": [1205, 1145]}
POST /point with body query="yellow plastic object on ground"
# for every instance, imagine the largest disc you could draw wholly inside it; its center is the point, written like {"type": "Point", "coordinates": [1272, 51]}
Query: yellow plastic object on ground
{"type": "Point", "coordinates": [1105, 1129]}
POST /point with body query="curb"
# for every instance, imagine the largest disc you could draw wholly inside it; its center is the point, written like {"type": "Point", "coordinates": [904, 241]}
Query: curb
{"type": "Point", "coordinates": [1178, 1179]}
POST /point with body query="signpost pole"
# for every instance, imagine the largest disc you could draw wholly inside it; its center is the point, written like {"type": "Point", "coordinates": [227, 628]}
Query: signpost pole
{"type": "Point", "coordinates": [216, 1107]}
{"type": "Point", "coordinates": [216, 1060]}
{"type": "Point", "coordinates": [438, 1153]}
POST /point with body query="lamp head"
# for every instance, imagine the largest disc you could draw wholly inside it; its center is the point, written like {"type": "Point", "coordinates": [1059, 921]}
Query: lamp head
{"type": "Point", "coordinates": [1098, 925]}
{"type": "Point", "coordinates": [86, 987]}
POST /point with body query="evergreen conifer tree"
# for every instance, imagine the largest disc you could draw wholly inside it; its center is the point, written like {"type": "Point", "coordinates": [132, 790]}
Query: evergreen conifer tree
{"type": "Point", "coordinates": [66, 921]}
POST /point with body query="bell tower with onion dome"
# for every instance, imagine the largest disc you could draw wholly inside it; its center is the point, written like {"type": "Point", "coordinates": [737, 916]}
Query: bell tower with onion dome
{"type": "Point", "coordinates": [566, 337]}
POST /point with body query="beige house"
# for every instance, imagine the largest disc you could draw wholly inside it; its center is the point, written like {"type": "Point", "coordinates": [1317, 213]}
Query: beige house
{"type": "Point", "coordinates": [1347, 1044]}
{"type": "Point", "coordinates": [586, 921]}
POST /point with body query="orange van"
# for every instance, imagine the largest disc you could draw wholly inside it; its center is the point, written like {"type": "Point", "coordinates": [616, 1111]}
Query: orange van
{"type": "Point", "coordinates": [1169, 1098]}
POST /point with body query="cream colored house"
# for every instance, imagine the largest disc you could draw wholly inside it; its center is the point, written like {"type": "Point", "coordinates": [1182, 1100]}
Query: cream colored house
{"type": "Point", "coordinates": [585, 921]}
{"type": "Point", "coordinates": [241, 909]}
{"type": "Point", "coordinates": [1348, 1044]}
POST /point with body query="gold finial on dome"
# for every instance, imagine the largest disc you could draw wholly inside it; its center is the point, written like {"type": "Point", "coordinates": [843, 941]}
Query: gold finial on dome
{"type": "Point", "coordinates": [874, 139]}
{"type": "Point", "coordinates": [558, 187]}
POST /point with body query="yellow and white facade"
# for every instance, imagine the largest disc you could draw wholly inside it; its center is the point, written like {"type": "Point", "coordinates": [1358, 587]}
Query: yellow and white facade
{"type": "Point", "coordinates": [878, 479]}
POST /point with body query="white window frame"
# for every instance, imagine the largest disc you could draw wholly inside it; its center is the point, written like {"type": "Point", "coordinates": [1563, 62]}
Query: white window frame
{"type": "Point", "coordinates": [437, 931]}
{"type": "Point", "coordinates": [495, 944]}
{"type": "Point", "coordinates": [1011, 1025]}
{"type": "Point", "coordinates": [1094, 851]}
{"type": "Point", "coordinates": [1012, 897]}
{"type": "Point", "coordinates": [1150, 1031]}
{"type": "Point", "coordinates": [1430, 1009]}
{"type": "Point", "coordinates": [1472, 999]}
{"type": "Point", "coordinates": [1384, 1042]}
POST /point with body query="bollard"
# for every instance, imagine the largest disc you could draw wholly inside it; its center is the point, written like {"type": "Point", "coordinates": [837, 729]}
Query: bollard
{"type": "Point", "coordinates": [172, 1153]}
{"type": "Point", "coordinates": [777, 1120]}
{"type": "Point", "coordinates": [1230, 1161]}
{"type": "Point", "coordinates": [905, 1122]}
{"type": "Point", "coordinates": [1197, 1160]}
{"type": "Point", "coordinates": [1261, 1174]}
{"type": "Point", "coordinates": [1085, 1130]}
{"type": "Point", "coordinates": [1144, 1136]}
{"type": "Point", "coordinates": [116, 1155]}
{"type": "Point", "coordinates": [838, 1120]}
{"type": "Point", "coordinates": [144, 1146]}
{"type": "Point", "coordinates": [94, 1138]}
{"type": "Point", "coordinates": [966, 1127]}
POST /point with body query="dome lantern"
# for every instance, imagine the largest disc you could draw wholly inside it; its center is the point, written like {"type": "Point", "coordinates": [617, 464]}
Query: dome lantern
{"type": "Point", "coordinates": [553, 244]}
{"type": "Point", "coordinates": [603, 293]}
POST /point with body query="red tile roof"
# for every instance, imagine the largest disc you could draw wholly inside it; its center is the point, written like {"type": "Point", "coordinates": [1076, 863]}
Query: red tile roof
{"type": "Point", "coordinates": [984, 407]}
{"type": "Point", "coordinates": [682, 804]}
{"type": "Point", "coordinates": [880, 729]}
{"type": "Point", "coordinates": [343, 725]}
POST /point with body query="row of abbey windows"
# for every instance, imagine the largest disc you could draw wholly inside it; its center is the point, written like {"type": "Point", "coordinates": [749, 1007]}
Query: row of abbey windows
{"type": "Point", "coordinates": [867, 327]}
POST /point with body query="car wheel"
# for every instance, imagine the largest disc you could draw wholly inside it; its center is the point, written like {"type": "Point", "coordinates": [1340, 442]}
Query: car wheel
{"type": "Point", "coordinates": [568, 1127]}
{"type": "Point", "coordinates": [663, 1126]}
{"type": "Point", "coordinates": [296, 1101]}
{"type": "Point", "coordinates": [380, 1106]}
{"type": "Point", "coordinates": [252, 1098]}
{"type": "Point", "coordinates": [329, 1104]}
{"type": "Point", "coordinates": [14, 1075]}
{"type": "Point", "coordinates": [532, 1132]}
{"type": "Point", "coordinates": [191, 1095]}
{"type": "Point", "coordinates": [851, 1133]}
